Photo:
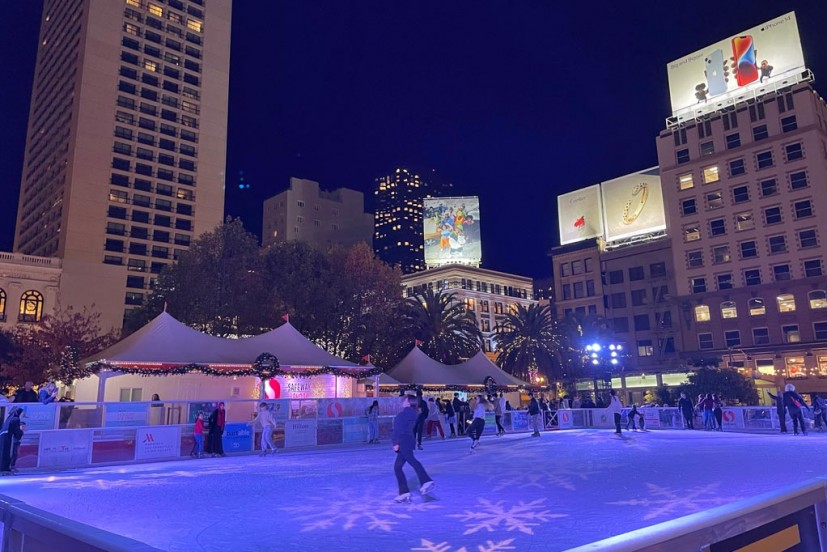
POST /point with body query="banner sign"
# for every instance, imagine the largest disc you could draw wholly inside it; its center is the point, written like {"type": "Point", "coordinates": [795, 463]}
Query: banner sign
{"type": "Point", "coordinates": [651, 417]}
{"type": "Point", "coordinates": [355, 430]}
{"type": "Point", "coordinates": [519, 419]}
{"type": "Point", "coordinates": [733, 418]}
{"type": "Point", "coordinates": [238, 437]}
{"type": "Point", "coordinates": [38, 416]}
{"type": "Point", "coordinates": [565, 420]}
{"type": "Point", "coordinates": [579, 215]}
{"type": "Point", "coordinates": [125, 414]}
{"type": "Point", "coordinates": [157, 442]}
{"type": "Point", "coordinates": [452, 231]}
{"type": "Point", "coordinates": [300, 433]}
{"type": "Point", "coordinates": [329, 432]}
{"type": "Point", "coordinates": [65, 448]}
{"type": "Point", "coordinates": [633, 205]}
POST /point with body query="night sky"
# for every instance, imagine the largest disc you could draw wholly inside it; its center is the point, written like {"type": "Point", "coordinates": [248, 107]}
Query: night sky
{"type": "Point", "coordinates": [512, 101]}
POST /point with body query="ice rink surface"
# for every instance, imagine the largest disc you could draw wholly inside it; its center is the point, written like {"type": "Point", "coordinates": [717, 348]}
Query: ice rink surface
{"type": "Point", "coordinates": [516, 492]}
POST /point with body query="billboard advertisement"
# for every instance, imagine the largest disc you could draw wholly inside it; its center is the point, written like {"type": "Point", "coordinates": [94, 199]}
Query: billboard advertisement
{"type": "Point", "coordinates": [746, 62]}
{"type": "Point", "coordinates": [452, 230]}
{"type": "Point", "coordinates": [579, 215]}
{"type": "Point", "coordinates": [633, 205]}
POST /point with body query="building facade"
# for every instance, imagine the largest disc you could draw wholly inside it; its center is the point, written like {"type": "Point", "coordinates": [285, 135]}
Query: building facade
{"type": "Point", "coordinates": [746, 217]}
{"type": "Point", "coordinates": [29, 288]}
{"type": "Point", "coordinates": [489, 294]}
{"type": "Point", "coordinates": [126, 144]}
{"type": "Point", "coordinates": [398, 237]}
{"type": "Point", "coordinates": [306, 213]}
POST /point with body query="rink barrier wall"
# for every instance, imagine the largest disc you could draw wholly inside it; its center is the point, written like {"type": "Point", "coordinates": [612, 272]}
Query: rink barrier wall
{"type": "Point", "coordinates": [71, 435]}
{"type": "Point", "coordinates": [29, 529]}
{"type": "Point", "coordinates": [778, 520]}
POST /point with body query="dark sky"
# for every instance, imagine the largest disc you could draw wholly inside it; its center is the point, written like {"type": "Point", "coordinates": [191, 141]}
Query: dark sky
{"type": "Point", "coordinates": [512, 101]}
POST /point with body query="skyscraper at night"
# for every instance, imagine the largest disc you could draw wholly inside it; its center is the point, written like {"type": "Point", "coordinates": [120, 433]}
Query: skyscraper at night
{"type": "Point", "coordinates": [398, 235]}
{"type": "Point", "coordinates": [126, 143]}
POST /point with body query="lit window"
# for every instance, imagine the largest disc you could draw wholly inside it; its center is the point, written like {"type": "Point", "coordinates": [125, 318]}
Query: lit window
{"type": "Point", "coordinates": [702, 313]}
{"type": "Point", "coordinates": [2, 304]}
{"type": "Point", "coordinates": [721, 254]}
{"type": "Point", "coordinates": [150, 65]}
{"type": "Point", "coordinates": [691, 233]}
{"type": "Point", "coordinates": [786, 302]}
{"type": "Point", "coordinates": [729, 309]}
{"type": "Point", "coordinates": [795, 365]}
{"type": "Point", "coordinates": [31, 306]}
{"type": "Point", "coordinates": [194, 25]}
{"type": "Point", "coordinates": [711, 174]}
{"type": "Point", "coordinates": [818, 299]}
{"type": "Point", "coordinates": [685, 181]}
{"type": "Point", "coordinates": [155, 10]}
{"type": "Point", "coordinates": [744, 221]}
{"type": "Point", "coordinates": [136, 3]}
{"type": "Point", "coordinates": [756, 307]}
{"type": "Point", "coordinates": [791, 333]}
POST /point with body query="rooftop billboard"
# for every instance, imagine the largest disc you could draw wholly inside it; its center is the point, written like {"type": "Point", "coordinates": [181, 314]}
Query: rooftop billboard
{"type": "Point", "coordinates": [579, 215]}
{"type": "Point", "coordinates": [452, 231]}
{"type": "Point", "coordinates": [633, 205]}
{"type": "Point", "coordinates": [745, 62]}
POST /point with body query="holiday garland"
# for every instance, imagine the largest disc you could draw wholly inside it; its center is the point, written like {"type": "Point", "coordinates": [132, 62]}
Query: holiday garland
{"type": "Point", "coordinates": [464, 388]}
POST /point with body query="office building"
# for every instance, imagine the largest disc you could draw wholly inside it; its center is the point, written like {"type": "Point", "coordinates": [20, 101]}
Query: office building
{"type": "Point", "coordinates": [126, 144]}
{"type": "Point", "coordinates": [324, 219]}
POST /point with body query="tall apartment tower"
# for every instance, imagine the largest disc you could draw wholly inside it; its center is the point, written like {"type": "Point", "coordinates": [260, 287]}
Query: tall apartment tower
{"type": "Point", "coordinates": [126, 144]}
{"type": "Point", "coordinates": [398, 225]}
{"type": "Point", "coordinates": [746, 209]}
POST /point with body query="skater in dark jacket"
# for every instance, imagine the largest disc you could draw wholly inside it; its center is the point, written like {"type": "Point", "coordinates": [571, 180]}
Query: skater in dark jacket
{"type": "Point", "coordinates": [403, 444]}
{"type": "Point", "coordinates": [534, 412]}
{"type": "Point", "coordinates": [781, 409]}
{"type": "Point", "coordinates": [216, 432]}
{"type": "Point", "coordinates": [422, 406]}
{"type": "Point", "coordinates": [10, 431]}
{"type": "Point", "coordinates": [460, 414]}
{"type": "Point", "coordinates": [794, 404]}
{"type": "Point", "coordinates": [631, 417]}
{"type": "Point", "coordinates": [688, 412]}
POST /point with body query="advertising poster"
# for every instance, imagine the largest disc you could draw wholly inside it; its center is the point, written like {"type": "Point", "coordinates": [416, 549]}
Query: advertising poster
{"type": "Point", "coordinates": [355, 430]}
{"type": "Point", "coordinates": [732, 418]}
{"type": "Point", "coordinates": [601, 417]}
{"type": "Point", "coordinates": [651, 416]}
{"type": "Point", "coordinates": [633, 205]}
{"type": "Point", "coordinates": [519, 419]}
{"type": "Point", "coordinates": [329, 432]}
{"type": "Point", "coordinates": [280, 410]}
{"type": "Point", "coordinates": [113, 445]}
{"type": "Point", "coordinates": [37, 416]}
{"type": "Point", "coordinates": [565, 420]}
{"type": "Point", "coordinates": [125, 414]}
{"type": "Point", "coordinates": [156, 442]}
{"type": "Point", "coordinates": [579, 215]}
{"type": "Point", "coordinates": [204, 408]}
{"type": "Point", "coordinates": [238, 437]}
{"type": "Point", "coordinates": [303, 409]}
{"type": "Point", "coordinates": [65, 448]}
{"type": "Point", "coordinates": [339, 408]}
{"type": "Point", "coordinates": [452, 230]}
{"type": "Point", "coordinates": [490, 423]}
{"type": "Point", "coordinates": [749, 61]}
{"type": "Point", "coordinates": [300, 433]}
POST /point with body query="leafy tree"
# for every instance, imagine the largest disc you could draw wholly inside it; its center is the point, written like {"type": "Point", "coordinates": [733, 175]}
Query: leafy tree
{"type": "Point", "coordinates": [447, 330]}
{"type": "Point", "coordinates": [728, 383]}
{"type": "Point", "coordinates": [661, 395]}
{"type": "Point", "coordinates": [527, 343]}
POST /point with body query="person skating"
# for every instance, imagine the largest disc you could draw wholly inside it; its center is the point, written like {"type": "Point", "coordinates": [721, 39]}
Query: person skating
{"type": "Point", "coordinates": [615, 408]}
{"type": "Point", "coordinates": [478, 422]}
{"type": "Point", "coordinates": [499, 408]}
{"type": "Point", "coordinates": [265, 419]}
{"type": "Point", "coordinates": [534, 412]}
{"type": "Point", "coordinates": [404, 441]}
{"type": "Point", "coordinates": [718, 412]}
{"type": "Point", "coordinates": [630, 418]}
{"type": "Point", "coordinates": [794, 404]}
{"type": "Point", "coordinates": [819, 408]}
{"type": "Point", "coordinates": [450, 417]}
{"type": "Point", "coordinates": [10, 431]}
{"type": "Point", "coordinates": [373, 423]}
{"type": "Point", "coordinates": [434, 420]}
{"type": "Point", "coordinates": [198, 437]}
{"type": "Point", "coordinates": [215, 434]}
{"type": "Point", "coordinates": [708, 405]}
{"type": "Point", "coordinates": [688, 412]}
{"type": "Point", "coordinates": [457, 404]}
{"type": "Point", "coordinates": [780, 409]}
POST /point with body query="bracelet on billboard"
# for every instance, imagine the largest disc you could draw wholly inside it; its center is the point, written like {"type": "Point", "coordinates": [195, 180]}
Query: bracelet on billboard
{"type": "Point", "coordinates": [643, 190]}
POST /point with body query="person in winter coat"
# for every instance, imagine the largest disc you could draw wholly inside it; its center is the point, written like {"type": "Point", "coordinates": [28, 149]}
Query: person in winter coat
{"type": "Point", "coordinates": [434, 418]}
{"type": "Point", "coordinates": [780, 409]}
{"type": "Point", "coordinates": [615, 408]}
{"type": "Point", "coordinates": [631, 417]}
{"type": "Point", "coordinates": [10, 431]}
{"type": "Point", "coordinates": [685, 406]}
{"type": "Point", "coordinates": [457, 404]}
{"type": "Point", "coordinates": [794, 404]}
{"type": "Point", "coordinates": [373, 423]}
{"type": "Point", "coordinates": [404, 441]}
{"type": "Point", "coordinates": [198, 437]}
{"type": "Point", "coordinates": [265, 419]}
{"type": "Point", "coordinates": [422, 406]}
{"type": "Point", "coordinates": [535, 413]}
{"type": "Point", "coordinates": [450, 416]}
{"type": "Point", "coordinates": [819, 414]}
{"type": "Point", "coordinates": [217, 422]}
{"type": "Point", "coordinates": [47, 393]}
{"type": "Point", "coordinates": [499, 408]}
{"type": "Point", "coordinates": [707, 405]}
{"type": "Point", "coordinates": [478, 423]}
{"type": "Point", "coordinates": [718, 412]}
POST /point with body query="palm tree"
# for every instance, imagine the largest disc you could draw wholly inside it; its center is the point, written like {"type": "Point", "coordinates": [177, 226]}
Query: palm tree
{"type": "Point", "coordinates": [527, 342]}
{"type": "Point", "coordinates": [447, 330]}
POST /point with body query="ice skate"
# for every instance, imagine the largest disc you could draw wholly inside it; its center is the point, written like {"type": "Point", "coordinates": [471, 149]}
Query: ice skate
{"type": "Point", "coordinates": [427, 487]}
{"type": "Point", "coordinates": [403, 498]}
{"type": "Point", "coordinates": [419, 447]}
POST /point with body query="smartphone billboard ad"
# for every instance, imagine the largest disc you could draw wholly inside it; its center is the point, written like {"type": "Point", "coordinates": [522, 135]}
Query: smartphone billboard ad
{"type": "Point", "coordinates": [452, 231]}
{"type": "Point", "coordinates": [747, 62]}
{"type": "Point", "coordinates": [633, 205]}
{"type": "Point", "coordinates": [579, 215]}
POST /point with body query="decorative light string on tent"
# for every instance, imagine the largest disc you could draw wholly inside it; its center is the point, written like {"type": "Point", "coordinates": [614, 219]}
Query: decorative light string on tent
{"type": "Point", "coordinates": [472, 388]}
{"type": "Point", "coordinates": [69, 368]}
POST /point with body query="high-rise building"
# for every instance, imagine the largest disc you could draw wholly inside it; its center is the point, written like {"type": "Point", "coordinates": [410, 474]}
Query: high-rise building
{"type": "Point", "coordinates": [126, 144]}
{"type": "Point", "coordinates": [304, 212]}
{"type": "Point", "coordinates": [398, 237]}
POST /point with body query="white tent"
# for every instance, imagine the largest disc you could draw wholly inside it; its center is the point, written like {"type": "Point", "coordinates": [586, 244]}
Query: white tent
{"type": "Point", "coordinates": [290, 347]}
{"type": "Point", "coordinates": [479, 367]}
{"type": "Point", "coordinates": [420, 369]}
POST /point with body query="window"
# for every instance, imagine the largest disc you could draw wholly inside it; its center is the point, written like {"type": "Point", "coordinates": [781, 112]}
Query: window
{"type": "Point", "coordinates": [820, 330]}
{"type": "Point", "coordinates": [120, 164]}
{"type": "Point", "coordinates": [143, 185]}
{"type": "Point", "coordinates": [794, 151]}
{"type": "Point", "coordinates": [118, 196]}
{"type": "Point", "coordinates": [578, 290]}
{"type": "Point", "coordinates": [772, 215]}
{"type": "Point", "coordinates": [31, 307]}
{"type": "Point", "coordinates": [691, 233]}
{"type": "Point", "coordinates": [576, 266]}
{"type": "Point", "coordinates": [682, 156]}
{"type": "Point", "coordinates": [760, 133]}
{"type": "Point", "coordinates": [817, 299]}
{"type": "Point", "coordinates": [618, 300]}
{"type": "Point", "coordinates": [717, 227]}
{"type": "Point", "coordinates": [791, 333]}
{"type": "Point", "coordinates": [705, 341]}
{"type": "Point", "coordinates": [778, 244]}
{"type": "Point", "coordinates": [194, 25]}
{"type": "Point", "coordinates": [740, 194]}
{"type": "Point", "coordinates": [788, 124]}
{"type": "Point", "coordinates": [768, 187]}
{"type": "Point", "coordinates": [737, 167]}
{"type": "Point", "coordinates": [664, 320]}
{"type": "Point", "coordinates": [123, 149]}
{"type": "Point", "coordinates": [732, 338]}
{"type": "Point", "coordinates": [798, 180]}
{"type": "Point", "coordinates": [702, 313]}
{"type": "Point", "coordinates": [657, 270]}
{"type": "Point", "coordinates": [588, 264]}
{"type": "Point", "coordinates": [812, 268]}
{"type": "Point", "coordinates": [764, 160]}
{"type": "Point", "coordinates": [615, 276]}
{"type": "Point", "coordinates": [565, 269]}
{"type": "Point", "coordinates": [636, 274]}
{"type": "Point", "coordinates": [756, 307]}
{"type": "Point", "coordinates": [711, 174]}
{"type": "Point", "coordinates": [752, 277]}
{"type": "Point", "coordinates": [714, 200]}
{"type": "Point", "coordinates": [590, 292]}
{"type": "Point", "coordinates": [729, 309]}
{"type": "Point", "coordinates": [733, 140]}
{"type": "Point", "coordinates": [761, 336]}
{"type": "Point", "coordinates": [639, 297]}
{"type": "Point", "coordinates": [566, 292]}
{"type": "Point", "coordinates": [744, 221]}
{"type": "Point", "coordinates": [620, 324]}
{"type": "Point", "coordinates": [707, 148]}
{"type": "Point", "coordinates": [689, 207]}
{"type": "Point", "coordinates": [641, 322]}
{"type": "Point", "coordinates": [113, 245]}
{"type": "Point", "coordinates": [698, 285]}
{"type": "Point", "coordinates": [644, 347]}
{"type": "Point", "coordinates": [695, 259]}
{"type": "Point", "coordinates": [803, 209]}
{"type": "Point", "coordinates": [139, 232]}
{"type": "Point", "coordinates": [786, 302]}
{"type": "Point", "coordinates": [685, 181]}
{"type": "Point", "coordinates": [721, 254]}
{"type": "Point", "coordinates": [724, 280]}
{"type": "Point", "coordinates": [781, 272]}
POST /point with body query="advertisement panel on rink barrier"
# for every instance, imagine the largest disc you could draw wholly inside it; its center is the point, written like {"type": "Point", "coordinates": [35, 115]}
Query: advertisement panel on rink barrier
{"type": "Point", "coordinates": [565, 420]}
{"type": "Point", "coordinates": [452, 230]}
{"type": "Point", "coordinates": [157, 442]}
{"type": "Point", "coordinates": [65, 448]}
{"type": "Point", "coordinates": [300, 433]}
{"type": "Point", "coordinates": [733, 418]}
{"type": "Point", "coordinates": [740, 65]}
{"type": "Point", "coordinates": [238, 437]}
{"type": "Point", "coordinates": [344, 408]}
{"type": "Point", "coordinates": [579, 215]}
{"type": "Point", "coordinates": [125, 414]}
{"type": "Point", "coordinates": [651, 417]}
{"type": "Point", "coordinates": [633, 205]}
{"type": "Point", "coordinates": [38, 416]}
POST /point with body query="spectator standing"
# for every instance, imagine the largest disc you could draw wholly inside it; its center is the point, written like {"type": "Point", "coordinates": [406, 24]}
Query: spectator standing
{"type": "Point", "coordinates": [534, 413]}
{"type": "Point", "coordinates": [47, 393]}
{"type": "Point", "coordinates": [10, 431]}
{"type": "Point", "coordinates": [718, 412]}
{"type": "Point", "coordinates": [706, 405]}
{"type": "Point", "coordinates": [614, 409]}
{"type": "Point", "coordinates": [25, 394]}
{"type": "Point", "coordinates": [217, 421]}
{"type": "Point", "coordinates": [373, 422]}
{"type": "Point", "coordinates": [66, 411]}
{"type": "Point", "coordinates": [15, 446]}
{"type": "Point", "coordinates": [156, 410]}
{"type": "Point", "coordinates": [794, 404]}
{"type": "Point", "coordinates": [404, 440]}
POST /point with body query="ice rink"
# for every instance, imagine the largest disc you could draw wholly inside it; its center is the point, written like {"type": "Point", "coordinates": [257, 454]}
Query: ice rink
{"type": "Point", "coordinates": [564, 489]}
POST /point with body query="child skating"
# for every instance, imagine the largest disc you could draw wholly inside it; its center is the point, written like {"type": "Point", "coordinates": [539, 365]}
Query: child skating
{"type": "Point", "coordinates": [404, 442]}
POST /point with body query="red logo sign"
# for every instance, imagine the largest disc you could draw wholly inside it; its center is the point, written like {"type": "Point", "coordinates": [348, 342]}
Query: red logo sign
{"type": "Point", "coordinates": [334, 410]}
{"type": "Point", "coordinates": [729, 416]}
{"type": "Point", "coordinates": [581, 222]}
{"type": "Point", "coordinates": [565, 416]}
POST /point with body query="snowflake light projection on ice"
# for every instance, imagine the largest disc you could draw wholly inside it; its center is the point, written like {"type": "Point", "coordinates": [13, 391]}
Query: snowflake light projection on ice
{"type": "Point", "coordinates": [371, 510]}
{"type": "Point", "coordinates": [665, 501]}
{"type": "Point", "coordinates": [490, 515]}
{"type": "Point", "coordinates": [488, 546]}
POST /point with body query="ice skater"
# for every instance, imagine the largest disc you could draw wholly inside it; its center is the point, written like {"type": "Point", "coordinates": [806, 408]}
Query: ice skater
{"type": "Point", "coordinates": [450, 417]}
{"type": "Point", "coordinates": [794, 404]}
{"type": "Point", "coordinates": [615, 408]}
{"type": "Point", "coordinates": [404, 441]}
{"type": "Point", "coordinates": [422, 406]}
{"type": "Point", "coordinates": [780, 409]}
{"type": "Point", "coordinates": [685, 406]}
{"type": "Point", "coordinates": [534, 412]}
{"type": "Point", "coordinates": [499, 408]}
{"type": "Point", "coordinates": [373, 423]}
{"type": "Point", "coordinates": [217, 421]}
{"type": "Point", "coordinates": [265, 419]}
{"type": "Point", "coordinates": [718, 411]}
{"type": "Point", "coordinates": [10, 431]}
{"type": "Point", "coordinates": [198, 437]}
{"type": "Point", "coordinates": [630, 418]}
{"type": "Point", "coordinates": [434, 418]}
{"type": "Point", "coordinates": [478, 423]}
